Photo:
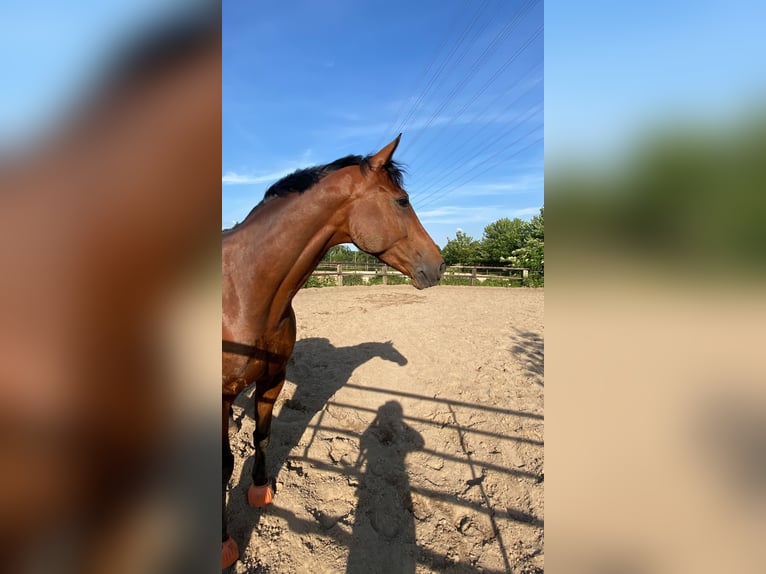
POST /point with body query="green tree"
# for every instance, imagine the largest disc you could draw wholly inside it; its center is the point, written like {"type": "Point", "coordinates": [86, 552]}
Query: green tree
{"type": "Point", "coordinates": [501, 238]}
{"type": "Point", "coordinates": [345, 254]}
{"type": "Point", "coordinates": [530, 255]}
{"type": "Point", "coordinates": [537, 225]}
{"type": "Point", "coordinates": [463, 250]}
{"type": "Point", "coordinates": [339, 253]}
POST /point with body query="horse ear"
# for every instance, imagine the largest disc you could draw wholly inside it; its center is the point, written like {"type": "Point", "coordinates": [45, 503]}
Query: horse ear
{"type": "Point", "coordinates": [384, 156]}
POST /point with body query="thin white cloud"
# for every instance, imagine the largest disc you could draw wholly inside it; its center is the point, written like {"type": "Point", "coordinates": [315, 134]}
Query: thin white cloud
{"type": "Point", "coordinates": [233, 178]}
{"type": "Point", "coordinates": [457, 215]}
{"type": "Point", "coordinates": [424, 117]}
{"type": "Point", "coordinates": [461, 215]}
{"type": "Point", "coordinates": [521, 184]}
{"type": "Point", "coordinates": [526, 211]}
{"type": "Point", "coordinates": [307, 154]}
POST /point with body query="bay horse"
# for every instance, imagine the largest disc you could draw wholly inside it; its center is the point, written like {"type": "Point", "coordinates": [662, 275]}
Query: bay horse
{"type": "Point", "coordinates": [268, 257]}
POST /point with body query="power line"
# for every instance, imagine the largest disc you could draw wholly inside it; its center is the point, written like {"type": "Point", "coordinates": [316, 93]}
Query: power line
{"type": "Point", "coordinates": [423, 75]}
{"type": "Point", "coordinates": [457, 154]}
{"type": "Point", "coordinates": [432, 80]}
{"type": "Point", "coordinates": [502, 160]}
{"type": "Point", "coordinates": [481, 149]}
{"type": "Point", "coordinates": [496, 130]}
{"type": "Point", "coordinates": [490, 106]}
{"type": "Point", "coordinates": [490, 167]}
{"type": "Point", "coordinates": [476, 66]}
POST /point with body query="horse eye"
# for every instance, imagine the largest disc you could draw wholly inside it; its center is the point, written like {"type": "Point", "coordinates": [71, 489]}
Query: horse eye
{"type": "Point", "coordinates": [403, 201]}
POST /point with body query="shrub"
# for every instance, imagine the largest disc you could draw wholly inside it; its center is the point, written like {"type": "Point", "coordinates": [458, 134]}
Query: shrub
{"type": "Point", "coordinates": [349, 280]}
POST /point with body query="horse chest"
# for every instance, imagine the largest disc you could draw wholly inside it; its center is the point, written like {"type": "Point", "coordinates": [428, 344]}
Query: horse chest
{"type": "Point", "coordinates": [249, 370]}
{"type": "Point", "coordinates": [264, 359]}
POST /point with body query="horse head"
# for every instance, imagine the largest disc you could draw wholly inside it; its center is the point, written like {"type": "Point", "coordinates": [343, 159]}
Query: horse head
{"type": "Point", "coordinates": [382, 222]}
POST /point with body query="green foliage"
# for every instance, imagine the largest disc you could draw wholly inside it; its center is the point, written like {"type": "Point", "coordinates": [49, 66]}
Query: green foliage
{"type": "Point", "coordinates": [391, 280]}
{"type": "Point", "coordinates": [498, 283]}
{"type": "Point", "coordinates": [536, 279]}
{"type": "Point", "coordinates": [506, 243]}
{"type": "Point", "coordinates": [344, 254]}
{"type": "Point", "coordinates": [339, 253]}
{"type": "Point", "coordinates": [314, 282]}
{"type": "Point", "coordinates": [537, 225]}
{"type": "Point", "coordinates": [501, 238]}
{"type": "Point", "coordinates": [349, 280]}
{"type": "Point", "coordinates": [530, 255]}
{"type": "Point", "coordinates": [397, 280]}
{"type": "Point", "coordinates": [687, 200]}
{"type": "Point", "coordinates": [463, 250]}
{"type": "Point", "coordinates": [451, 280]}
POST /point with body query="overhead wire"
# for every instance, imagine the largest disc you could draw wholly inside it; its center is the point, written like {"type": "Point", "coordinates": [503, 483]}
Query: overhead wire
{"type": "Point", "coordinates": [425, 193]}
{"type": "Point", "coordinates": [477, 65]}
{"type": "Point", "coordinates": [502, 160]}
{"type": "Point", "coordinates": [485, 147]}
{"type": "Point", "coordinates": [478, 119]}
{"type": "Point", "coordinates": [424, 75]}
{"type": "Point", "coordinates": [437, 74]}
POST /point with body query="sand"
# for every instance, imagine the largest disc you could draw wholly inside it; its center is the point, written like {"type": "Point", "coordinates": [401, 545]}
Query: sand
{"type": "Point", "coordinates": [408, 438]}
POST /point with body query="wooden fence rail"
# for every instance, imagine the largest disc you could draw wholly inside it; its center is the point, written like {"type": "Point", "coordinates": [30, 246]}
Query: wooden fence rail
{"type": "Point", "coordinates": [335, 273]}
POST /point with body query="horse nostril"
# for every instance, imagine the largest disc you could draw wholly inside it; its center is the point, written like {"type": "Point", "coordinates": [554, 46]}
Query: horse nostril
{"type": "Point", "coordinates": [442, 269]}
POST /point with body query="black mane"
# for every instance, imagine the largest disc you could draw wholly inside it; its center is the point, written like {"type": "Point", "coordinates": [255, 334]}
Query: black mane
{"type": "Point", "coordinates": [302, 179]}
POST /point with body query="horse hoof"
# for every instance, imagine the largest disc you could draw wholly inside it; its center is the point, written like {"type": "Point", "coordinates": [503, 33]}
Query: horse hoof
{"type": "Point", "coordinates": [230, 553]}
{"type": "Point", "coordinates": [260, 496]}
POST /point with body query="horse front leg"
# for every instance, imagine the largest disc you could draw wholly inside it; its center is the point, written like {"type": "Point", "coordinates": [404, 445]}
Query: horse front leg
{"type": "Point", "coordinates": [230, 551]}
{"type": "Point", "coordinates": [260, 492]}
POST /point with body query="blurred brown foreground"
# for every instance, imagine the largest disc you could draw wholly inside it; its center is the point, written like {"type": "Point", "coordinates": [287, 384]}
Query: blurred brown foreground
{"type": "Point", "coordinates": [110, 300]}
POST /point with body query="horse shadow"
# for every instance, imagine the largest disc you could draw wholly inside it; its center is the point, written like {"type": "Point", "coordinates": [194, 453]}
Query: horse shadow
{"type": "Point", "coordinates": [318, 369]}
{"type": "Point", "coordinates": [529, 347]}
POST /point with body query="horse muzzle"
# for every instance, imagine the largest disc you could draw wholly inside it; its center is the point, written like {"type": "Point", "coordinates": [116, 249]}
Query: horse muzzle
{"type": "Point", "coordinates": [428, 275]}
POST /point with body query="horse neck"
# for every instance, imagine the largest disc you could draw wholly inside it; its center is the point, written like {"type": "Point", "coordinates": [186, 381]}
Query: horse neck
{"type": "Point", "coordinates": [278, 247]}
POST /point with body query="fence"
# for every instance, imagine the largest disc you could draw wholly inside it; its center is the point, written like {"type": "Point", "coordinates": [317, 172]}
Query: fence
{"type": "Point", "coordinates": [496, 276]}
{"type": "Point", "coordinates": [349, 273]}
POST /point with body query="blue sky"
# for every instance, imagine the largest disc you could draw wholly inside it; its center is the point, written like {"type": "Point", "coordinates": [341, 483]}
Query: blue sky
{"type": "Point", "coordinates": [616, 71]}
{"type": "Point", "coordinates": [306, 82]}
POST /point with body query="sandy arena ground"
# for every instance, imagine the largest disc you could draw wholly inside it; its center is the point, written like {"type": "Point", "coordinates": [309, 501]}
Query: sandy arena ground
{"type": "Point", "coordinates": [408, 438]}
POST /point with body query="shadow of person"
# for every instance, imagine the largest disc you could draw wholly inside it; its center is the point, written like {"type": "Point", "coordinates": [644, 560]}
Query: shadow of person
{"type": "Point", "coordinates": [318, 369]}
{"type": "Point", "coordinates": [383, 538]}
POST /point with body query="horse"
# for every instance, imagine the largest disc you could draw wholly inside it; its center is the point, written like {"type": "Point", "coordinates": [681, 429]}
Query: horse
{"type": "Point", "coordinates": [268, 257]}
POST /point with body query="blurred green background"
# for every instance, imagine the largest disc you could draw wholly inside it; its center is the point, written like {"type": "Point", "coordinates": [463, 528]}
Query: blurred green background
{"type": "Point", "coordinates": [686, 201]}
